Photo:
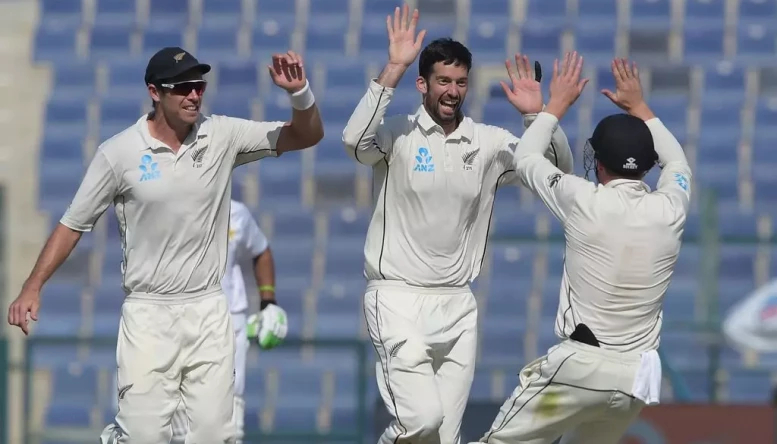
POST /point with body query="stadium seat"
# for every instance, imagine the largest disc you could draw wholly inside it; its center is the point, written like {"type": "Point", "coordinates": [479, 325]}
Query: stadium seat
{"type": "Point", "coordinates": [761, 12]}
{"type": "Point", "coordinates": [756, 44]}
{"type": "Point", "coordinates": [550, 14]}
{"type": "Point", "coordinates": [221, 15]}
{"type": "Point", "coordinates": [650, 14]}
{"type": "Point", "coordinates": [488, 39]}
{"type": "Point", "coordinates": [116, 13]}
{"type": "Point", "coordinates": [61, 13]}
{"type": "Point", "coordinates": [705, 13]}
{"type": "Point", "coordinates": [169, 14]}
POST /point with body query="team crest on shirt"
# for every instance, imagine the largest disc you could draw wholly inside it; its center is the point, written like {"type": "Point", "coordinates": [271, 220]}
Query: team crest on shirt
{"type": "Point", "coordinates": [231, 234]}
{"type": "Point", "coordinates": [197, 155]}
{"type": "Point", "coordinates": [469, 159]}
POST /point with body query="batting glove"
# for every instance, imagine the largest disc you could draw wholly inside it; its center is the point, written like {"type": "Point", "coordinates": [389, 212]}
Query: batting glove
{"type": "Point", "coordinates": [268, 327]}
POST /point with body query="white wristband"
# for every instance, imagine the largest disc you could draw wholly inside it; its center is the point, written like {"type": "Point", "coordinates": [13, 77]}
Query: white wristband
{"type": "Point", "coordinates": [302, 99]}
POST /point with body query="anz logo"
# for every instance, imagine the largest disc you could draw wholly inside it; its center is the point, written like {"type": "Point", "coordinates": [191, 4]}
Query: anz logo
{"type": "Point", "coordinates": [423, 161]}
{"type": "Point", "coordinates": [149, 170]}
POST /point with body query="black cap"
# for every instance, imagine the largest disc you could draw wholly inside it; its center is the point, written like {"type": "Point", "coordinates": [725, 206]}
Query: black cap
{"type": "Point", "coordinates": [171, 62]}
{"type": "Point", "coordinates": [624, 145]}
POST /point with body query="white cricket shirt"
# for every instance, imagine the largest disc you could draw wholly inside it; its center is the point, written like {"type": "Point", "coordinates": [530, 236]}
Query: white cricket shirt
{"type": "Point", "coordinates": [622, 240]}
{"type": "Point", "coordinates": [433, 194]}
{"type": "Point", "coordinates": [173, 209]}
{"type": "Point", "coordinates": [246, 241]}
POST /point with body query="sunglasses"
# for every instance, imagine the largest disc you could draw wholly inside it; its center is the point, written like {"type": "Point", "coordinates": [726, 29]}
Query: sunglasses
{"type": "Point", "coordinates": [185, 88]}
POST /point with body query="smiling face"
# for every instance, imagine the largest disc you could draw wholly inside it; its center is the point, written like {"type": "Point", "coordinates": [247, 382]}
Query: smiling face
{"type": "Point", "coordinates": [179, 99]}
{"type": "Point", "coordinates": [443, 80]}
{"type": "Point", "coordinates": [444, 91]}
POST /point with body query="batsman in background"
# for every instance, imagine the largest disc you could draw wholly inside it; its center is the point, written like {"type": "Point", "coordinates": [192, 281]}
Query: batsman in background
{"type": "Point", "coordinates": [268, 328]}
{"type": "Point", "coordinates": [621, 245]}
{"type": "Point", "coordinates": [435, 175]}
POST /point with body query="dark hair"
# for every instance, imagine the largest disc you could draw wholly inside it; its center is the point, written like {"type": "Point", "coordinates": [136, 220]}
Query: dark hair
{"type": "Point", "coordinates": [444, 50]}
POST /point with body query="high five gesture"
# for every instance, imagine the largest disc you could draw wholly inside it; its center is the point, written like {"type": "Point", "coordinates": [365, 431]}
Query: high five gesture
{"type": "Point", "coordinates": [566, 85]}
{"type": "Point", "coordinates": [404, 45]}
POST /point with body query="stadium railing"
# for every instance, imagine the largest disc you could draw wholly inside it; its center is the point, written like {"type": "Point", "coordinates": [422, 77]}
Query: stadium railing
{"type": "Point", "coordinates": [79, 435]}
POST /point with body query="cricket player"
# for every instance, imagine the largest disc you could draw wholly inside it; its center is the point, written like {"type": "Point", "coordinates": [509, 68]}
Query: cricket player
{"type": "Point", "coordinates": [622, 242]}
{"type": "Point", "coordinates": [268, 328]}
{"type": "Point", "coordinates": [435, 174]}
{"type": "Point", "coordinates": [169, 178]}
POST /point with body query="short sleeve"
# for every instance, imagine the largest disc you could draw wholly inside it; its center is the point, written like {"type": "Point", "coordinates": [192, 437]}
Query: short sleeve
{"type": "Point", "coordinates": [98, 189]}
{"type": "Point", "coordinates": [252, 140]}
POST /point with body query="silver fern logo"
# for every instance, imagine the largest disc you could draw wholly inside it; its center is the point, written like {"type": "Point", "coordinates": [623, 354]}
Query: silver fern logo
{"type": "Point", "coordinates": [197, 156]}
{"type": "Point", "coordinates": [469, 159]}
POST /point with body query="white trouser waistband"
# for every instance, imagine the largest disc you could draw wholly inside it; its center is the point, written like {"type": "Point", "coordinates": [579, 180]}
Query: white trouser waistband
{"type": "Point", "coordinates": [402, 286]}
{"type": "Point", "coordinates": [175, 298]}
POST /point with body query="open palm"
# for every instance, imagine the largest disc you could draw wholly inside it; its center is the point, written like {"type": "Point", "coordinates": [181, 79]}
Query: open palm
{"type": "Point", "coordinates": [525, 93]}
{"type": "Point", "coordinates": [404, 44]}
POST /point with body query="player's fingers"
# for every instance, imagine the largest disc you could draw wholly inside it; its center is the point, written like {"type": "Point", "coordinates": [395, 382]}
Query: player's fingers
{"type": "Point", "coordinates": [405, 16]}
{"type": "Point", "coordinates": [634, 70]}
{"type": "Point", "coordinates": [609, 94]}
{"type": "Point", "coordinates": [414, 21]}
{"type": "Point", "coordinates": [34, 311]}
{"type": "Point", "coordinates": [397, 21]}
{"type": "Point", "coordinates": [276, 63]}
{"type": "Point", "coordinates": [527, 67]}
{"type": "Point", "coordinates": [578, 68]}
{"type": "Point", "coordinates": [615, 72]}
{"type": "Point", "coordinates": [622, 70]}
{"type": "Point", "coordinates": [555, 69]}
{"type": "Point", "coordinates": [510, 73]}
{"type": "Point", "coordinates": [581, 85]}
{"type": "Point", "coordinates": [506, 89]}
{"type": "Point", "coordinates": [389, 27]}
{"type": "Point", "coordinates": [285, 65]}
{"type": "Point", "coordinates": [419, 40]}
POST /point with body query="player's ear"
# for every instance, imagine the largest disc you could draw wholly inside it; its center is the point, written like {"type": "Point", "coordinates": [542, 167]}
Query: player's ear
{"type": "Point", "coordinates": [421, 85]}
{"type": "Point", "coordinates": [153, 92]}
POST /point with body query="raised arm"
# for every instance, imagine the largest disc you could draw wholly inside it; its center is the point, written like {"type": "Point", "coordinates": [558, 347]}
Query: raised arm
{"type": "Point", "coordinates": [365, 137]}
{"type": "Point", "coordinates": [675, 179]}
{"type": "Point", "coordinates": [525, 94]}
{"type": "Point", "coordinates": [98, 189]}
{"type": "Point", "coordinates": [305, 128]}
{"type": "Point", "coordinates": [556, 188]}
{"type": "Point", "coordinates": [256, 140]}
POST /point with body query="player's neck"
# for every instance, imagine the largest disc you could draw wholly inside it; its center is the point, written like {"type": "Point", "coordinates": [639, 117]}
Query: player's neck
{"type": "Point", "coordinates": [171, 135]}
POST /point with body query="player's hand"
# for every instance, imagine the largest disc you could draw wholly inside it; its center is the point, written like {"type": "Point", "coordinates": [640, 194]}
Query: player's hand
{"type": "Point", "coordinates": [525, 93]}
{"type": "Point", "coordinates": [628, 89]}
{"type": "Point", "coordinates": [404, 44]}
{"type": "Point", "coordinates": [288, 71]}
{"type": "Point", "coordinates": [566, 84]}
{"type": "Point", "coordinates": [28, 302]}
{"type": "Point", "coordinates": [269, 327]}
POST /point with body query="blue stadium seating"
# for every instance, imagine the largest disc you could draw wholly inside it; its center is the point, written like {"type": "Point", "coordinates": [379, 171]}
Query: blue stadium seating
{"type": "Point", "coordinates": [713, 82]}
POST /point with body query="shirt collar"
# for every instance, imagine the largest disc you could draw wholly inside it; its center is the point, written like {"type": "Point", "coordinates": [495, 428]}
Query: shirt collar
{"type": "Point", "coordinates": [150, 143]}
{"type": "Point", "coordinates": [466, 128]}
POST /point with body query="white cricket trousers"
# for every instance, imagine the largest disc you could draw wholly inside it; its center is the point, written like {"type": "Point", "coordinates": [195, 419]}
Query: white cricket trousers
{"type": "Point", "coordinates": [426, 341]}
{"type": "Point", "coordinates": [578, 391]}
{"type": "Point", "coordinates": [180, 422]}
{"type": "Point", "coordinates": [169, 353]}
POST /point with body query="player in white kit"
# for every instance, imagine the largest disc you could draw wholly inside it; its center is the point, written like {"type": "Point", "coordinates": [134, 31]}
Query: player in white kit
{"type": "Point", "coordinates": [268, 328]}
{"type": "Point", "coordinates": [435, 174]}
{"type": "Point", "coordinates": [622, 242]}
{"type": "Point", "coordinates": [169, 178]}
